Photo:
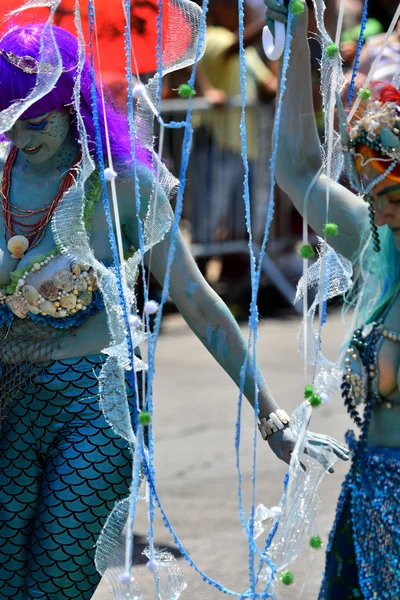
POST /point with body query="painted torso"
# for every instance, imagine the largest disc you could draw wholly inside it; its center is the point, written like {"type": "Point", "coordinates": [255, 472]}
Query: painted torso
{"type": "Point", "coordinates": [385, 424]}
{"type": "Point", "coordinates": [30, 190]}
{"type": "Point", "coordinates": [379, 376]}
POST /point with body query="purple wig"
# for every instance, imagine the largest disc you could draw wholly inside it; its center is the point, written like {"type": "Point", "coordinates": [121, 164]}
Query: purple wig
{"type": "Point", "coordinates": [15, 84]}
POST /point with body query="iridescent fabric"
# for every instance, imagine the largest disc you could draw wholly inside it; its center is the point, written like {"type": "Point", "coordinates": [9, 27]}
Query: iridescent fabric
{"type": "Point", "coordinates": [62, 469]}
{"type": "Point", "coordinates": [363, 557]}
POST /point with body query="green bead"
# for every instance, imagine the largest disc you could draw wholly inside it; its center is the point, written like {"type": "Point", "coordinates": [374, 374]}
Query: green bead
{"type": "Point", "coordinates": [185, 90]}
{"type": "Point", "coordinates": [287, 578]}
{"type": "Point", "coordinates": [331, 229]}
{"type": "Point", "coordinates": [316, 542]}
{"type": "Point", "coordinates": [144, 418]}
{"type": "Point", "coordinates": [332, 50]}
{"type": "Point", "coordinates": [364, 93]}
{"type": "Point", "coordinates": [296, 7]}
{"type": "Point", "coordinates": [308, 392]}
{"type": "Point", "coordinates": [315, 400]}
{"type": "Point", "coordinates": [306, 251]}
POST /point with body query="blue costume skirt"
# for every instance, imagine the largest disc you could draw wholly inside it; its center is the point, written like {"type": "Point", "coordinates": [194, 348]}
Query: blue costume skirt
{"type": "Point", "coordinates": [363, 556]}
{"type": "Point", "coordinates": [62, 469]}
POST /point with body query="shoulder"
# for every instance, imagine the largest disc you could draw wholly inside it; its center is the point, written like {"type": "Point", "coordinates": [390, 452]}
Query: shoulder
{"type": "Point", "coordinates": [126, 180]}
{"type": "Point", "coordinates": [126, 185]}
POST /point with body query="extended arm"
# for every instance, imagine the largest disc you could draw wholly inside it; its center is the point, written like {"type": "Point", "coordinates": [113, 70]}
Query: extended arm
{"type": "Point", "coordinates": [211, 320]}
{"type": "Point", "coordinates": [299, 155]}
{"type": "Point", "coordinates": [203, 310]}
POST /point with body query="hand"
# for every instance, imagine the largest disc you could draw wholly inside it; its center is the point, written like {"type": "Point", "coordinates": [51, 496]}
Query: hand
{"type": "Point", "coordinates": [282, 443]}
{"type": "Point", "coordinates": [275, 12]}
{"type": "Point", "coordinates": [216, 97]}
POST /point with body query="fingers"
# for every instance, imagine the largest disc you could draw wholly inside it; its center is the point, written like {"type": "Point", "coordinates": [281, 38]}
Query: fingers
{"type": "Point", "coordinates": [301, 464]}
{"type": "Point", "coordinates": [273, 15]}
{"type": "Point", "coordinates": [325, 441]}
{"type": "Point", "coordinates": [320, 458]}
{"type": "Point", "coordinates": [275, 6]}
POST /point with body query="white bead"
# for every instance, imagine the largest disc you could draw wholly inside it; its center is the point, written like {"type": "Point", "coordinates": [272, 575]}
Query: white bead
{"type": "Point", "coordinates": [110, 174]}
{"type": "Point", "coordinates": [151, 307]}
{"type": "Point", "coordinates": [21, 282]}
{"type": "Point", "coordinates": [138, 91]}
{"type": "Point", "coordinates": [125, 577]}
{"type": "Point", "coordinates": [36, 267]}
{"type": "Point", "coordinates": [152, 566]}
{"type": "Point", "coordinates": [134, 321]}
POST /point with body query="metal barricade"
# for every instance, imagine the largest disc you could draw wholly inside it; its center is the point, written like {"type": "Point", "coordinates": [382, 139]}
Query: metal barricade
{"type": "Point", "coordinates": [214, 212]}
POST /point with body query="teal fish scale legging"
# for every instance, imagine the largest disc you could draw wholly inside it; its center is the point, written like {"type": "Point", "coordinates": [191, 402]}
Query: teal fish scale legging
{"type": "Point", "coordinates": [62, 469]}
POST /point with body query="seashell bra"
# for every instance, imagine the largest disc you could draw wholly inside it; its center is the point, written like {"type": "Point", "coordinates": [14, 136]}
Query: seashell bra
{"type": "Point", "coordinates": [56, 287]}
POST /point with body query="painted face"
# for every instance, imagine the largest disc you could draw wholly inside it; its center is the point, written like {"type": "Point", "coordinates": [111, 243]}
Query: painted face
{"type": "Point", "coordinates": [41, 138]}
{"type": "Point", "coordinates": [386, 201]}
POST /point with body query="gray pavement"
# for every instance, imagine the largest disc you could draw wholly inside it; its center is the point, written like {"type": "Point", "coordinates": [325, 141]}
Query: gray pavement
{"type": "Point", "coordinates": [195, 412]}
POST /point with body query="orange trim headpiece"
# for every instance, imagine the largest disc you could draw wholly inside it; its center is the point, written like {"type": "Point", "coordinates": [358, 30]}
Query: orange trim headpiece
{"type": "Point", "coordinates": [376, 135]}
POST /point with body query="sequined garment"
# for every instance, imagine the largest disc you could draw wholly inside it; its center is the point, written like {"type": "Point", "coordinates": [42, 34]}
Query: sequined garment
{"type": "Point", "coordinates": [363, 555]}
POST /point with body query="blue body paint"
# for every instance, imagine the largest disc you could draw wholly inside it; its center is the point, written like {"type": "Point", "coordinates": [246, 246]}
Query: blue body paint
{"type": "Point", "coordinates": [191, 288]}
{"type": "Point", "coordinates": [216, 339]}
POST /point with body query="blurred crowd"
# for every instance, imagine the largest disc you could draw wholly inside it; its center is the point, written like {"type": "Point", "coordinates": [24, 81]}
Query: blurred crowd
{"type": "Point", "coordinates": [214, 215]}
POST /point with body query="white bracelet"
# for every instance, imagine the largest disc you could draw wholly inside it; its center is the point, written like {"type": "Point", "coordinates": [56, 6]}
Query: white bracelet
{"type": "Point", "coordinates": [277, 421]}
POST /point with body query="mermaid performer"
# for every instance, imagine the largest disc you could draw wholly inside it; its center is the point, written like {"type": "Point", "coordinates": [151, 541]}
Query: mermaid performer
{"type": "Point", "coordinates": [62, 467]}
{"type": "Point", "coordinates": [364, 549]}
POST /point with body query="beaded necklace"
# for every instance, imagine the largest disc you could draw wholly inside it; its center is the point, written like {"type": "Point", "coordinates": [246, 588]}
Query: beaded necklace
{"type": "Point", "coordinates": [363, 389]}
{"type": "Point", "coordinates": [32, 233]}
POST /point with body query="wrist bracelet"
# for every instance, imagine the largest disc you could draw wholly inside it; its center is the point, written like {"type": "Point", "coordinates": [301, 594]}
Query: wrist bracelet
{"type": "Point", "coordinates": [277, 420]}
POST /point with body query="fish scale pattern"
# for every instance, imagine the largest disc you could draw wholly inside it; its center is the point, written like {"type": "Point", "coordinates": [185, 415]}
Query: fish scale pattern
{"type": "Point", "coordinates": [62, 469]}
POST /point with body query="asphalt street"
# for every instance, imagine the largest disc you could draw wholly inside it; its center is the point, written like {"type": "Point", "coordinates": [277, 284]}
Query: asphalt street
{"type": "Point", "coordinates": [195, 412]}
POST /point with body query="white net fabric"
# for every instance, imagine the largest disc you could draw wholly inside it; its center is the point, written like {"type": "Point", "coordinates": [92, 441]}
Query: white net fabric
{"type": "Point", "coordinates": [337, 280]}
{"type": "Point", "coordinates": [72, 239]}
{"type": "Point", "coordinates": [332, 80]}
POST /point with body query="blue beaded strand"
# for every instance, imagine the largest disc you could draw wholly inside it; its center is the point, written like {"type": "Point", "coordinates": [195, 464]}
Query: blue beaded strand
{"type": "Point", "coordinates": [364, 20]}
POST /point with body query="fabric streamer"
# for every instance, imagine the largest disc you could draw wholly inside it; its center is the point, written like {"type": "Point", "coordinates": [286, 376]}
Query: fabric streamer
{"type": "Point", "coordinates": [181, 45]}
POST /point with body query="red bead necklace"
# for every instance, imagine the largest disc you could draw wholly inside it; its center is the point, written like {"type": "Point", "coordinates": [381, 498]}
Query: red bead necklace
{"type": "Point", "coordinates": [12, 214]}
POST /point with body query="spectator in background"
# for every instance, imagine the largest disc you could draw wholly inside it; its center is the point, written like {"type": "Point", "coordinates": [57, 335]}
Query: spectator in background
{"type": "Point", "coordinates": [217, 193]}
{"type": "Point", "coordinates": [389, 63]}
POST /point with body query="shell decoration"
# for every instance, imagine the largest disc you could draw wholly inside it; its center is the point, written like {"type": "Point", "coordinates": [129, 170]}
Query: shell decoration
{"type": "Point", "coordinates": [18, 305]}
{"type": "Point", "coordinates": [30, 294]}
{"type": "Point", "coordinates": [53, 291]}
{"type": "Point", "coordinates": [35, 310]}
{"type": "Point", "coordinates": [49, 290]}
{"type": "Point", "coordinates": [75, 267]}
{"type": "Point", "coordinates": [85, 298]}
{"type": "Point", "coordinates": [48, 308]}
{"type": "Point", "coordinates": [64, 280]}
{"type": "Point", "coordinates": [80, 284]}
{"type": "Point", "coordinates": [18, 245]}
{"type": "Point", "coordinates": [68, 301]}
{"type": "Point", "coordinates": [92, 280]}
